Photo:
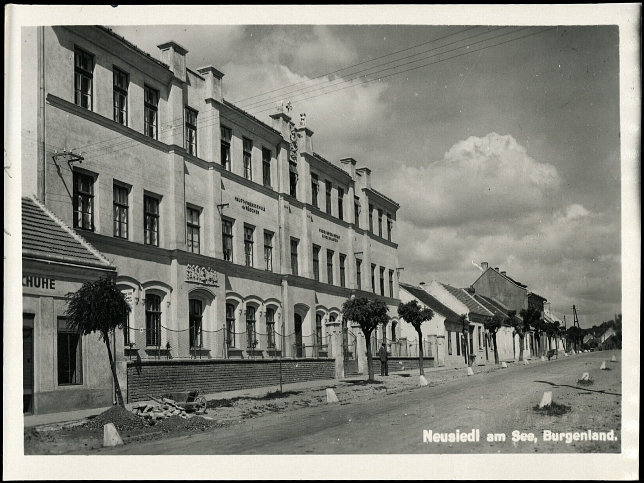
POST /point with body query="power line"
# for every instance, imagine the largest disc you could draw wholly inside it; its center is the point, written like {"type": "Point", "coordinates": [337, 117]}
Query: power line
{"type": "Point", "coordinates": [241, 101]}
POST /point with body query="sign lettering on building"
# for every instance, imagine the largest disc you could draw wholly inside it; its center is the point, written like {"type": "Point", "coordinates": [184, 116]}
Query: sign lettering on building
{"type": "Point", "coordinates": [249, 206]}
{"type": "Point", "coordinates": [293, 144]}
{"type": "Point", "coordinates": [202, 275]}
{"type": "Point", "coordinates": [36, 281]}
{"type": "Point", "coordinates": [327, 235]}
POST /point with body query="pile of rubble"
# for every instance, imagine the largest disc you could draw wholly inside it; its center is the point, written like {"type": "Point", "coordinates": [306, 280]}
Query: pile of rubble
{"type": "Point", "coordinates": [152, 413]}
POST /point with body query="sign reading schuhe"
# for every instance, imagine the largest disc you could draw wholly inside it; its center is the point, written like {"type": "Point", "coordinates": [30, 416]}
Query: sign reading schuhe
{"type": "Point", "coordinates": [37, 281]}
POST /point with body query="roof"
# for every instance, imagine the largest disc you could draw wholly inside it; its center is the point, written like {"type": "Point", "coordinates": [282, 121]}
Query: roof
{"type": "Point", "coordinates": [518, 284]}
{"type": "Point", "coordinates": [431, 302]}
{"type": "Point", "coordinates": [338, 169]}
{"type": "Point", "coordinates": [464, 297]}
{"type": "Point", "coordinates": [46, 237]}
{"type": "Point", "coordinates": [132, 46]}
{"type": "Point", "coordinates": [250, 116]}
{"type": "Point", "coordinates": [491, 306]}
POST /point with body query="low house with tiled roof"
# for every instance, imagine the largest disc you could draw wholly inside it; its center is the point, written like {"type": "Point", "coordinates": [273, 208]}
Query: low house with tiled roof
{"type": "Point", "coordinates": [458, 300]}
{"type": "Point", "coordinates": [440, 334]}
{"type": "Point", "coordinates": [62, 370]}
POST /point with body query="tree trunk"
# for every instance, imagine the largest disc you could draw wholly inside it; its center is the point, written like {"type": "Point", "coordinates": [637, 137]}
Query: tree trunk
{"type": "Point", "coordinates": [521, 337]}
{"type": "Point", "coordinates": [119, 396]}
{"type": "Point", "coordinates": [369, 357]}
{"type": "Point", "coordinates": [496, 349]}
{"type": "Point", "coordinates": [420, 351]}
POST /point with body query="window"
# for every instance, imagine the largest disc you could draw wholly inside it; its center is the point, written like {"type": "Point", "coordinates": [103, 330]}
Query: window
{"type": "Point", "coordinates": [315, 190]}
{"type": "Point", "coordinates": [358, 273]}
{"type": "Point", "coordinates": [340, 203]}
{"type": "Point", "coordinates": [70, 354]}
{"type": "Point", "coordinates": [373, 278]}
{"type": "Point", "coordinates": [292, 178]}
{"type": "Point", "coordinates": [449, 342]}
{"type": "Point", "coordinates": [371, 218]}
{"type": "Point", "coordinates": [382, 281]}
{"type": "Point", "coordinates": [328, 197]}
{"type": "Point", "coordinates": [389, 226]}
{"type": "Point", "coordinates": [294, 262]}
{"type": "Point", "coordinates": [391, 283]}
{"type": "Point", "coordinates": [318, 329]}
{"type": "Point", "coordinates": [266, 167]}
{"type": "Point", "coordinates": [393, 330]}
{"type": "Point", "coordinates": [126, 331]}
{"type": "Point", "coordinates": [248, 167]}
{"type": "Point", "coordinates": [356, 210]}
{"type": "Point", "coordinates": [192, 232]}
{"type": "Point", "coordinates": [83, 201]}
{"type": "Point", "coordinates": [270, 327]}
{"type": "Point", "coordinates": [226, 135]}
{"type": "Point", "coordinates": [342, 270]}
{"type": "Point", "coordinates": [458, 344]}
{"type": "Point", "coordinates": [151, 214]}
{"type": "Point", "coordinates": [249, 232]}
{"type": "Point", "coordinates": [230, 325]}
{"type": "Point", "coordinates": [227, 239]}
{"type": "Point", "coordinates": [251, 333]}
{"type": "Point", "coordinates": [191, 131]}
{"type": "Point", "coordinates": [152, 320]}
{"type": "Point", "coordinates": [380, 223]}
{"type": "Point", "coordinates": [329, 266]}
{"type": "Point", "coordinates": [316, 262]}
{"type": "Point", "coordinates": [120, 211]}
{"type": "Point", "coordinates": [121, 82]}
{"type": "Point", "coordinates": [83, 78]}
{"type": "Point", "coordinates": [268, 250]}
{"type": "Point", "coordinates": [151, 112]}
{"type": "Point", "coordinates": [480, 339]}
{"type": "Point", "coordinates": [195, 318]}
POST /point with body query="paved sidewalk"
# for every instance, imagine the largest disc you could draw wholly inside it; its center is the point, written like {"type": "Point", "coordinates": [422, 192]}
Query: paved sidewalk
{"type": "Point", "coordinates": [73, 416]}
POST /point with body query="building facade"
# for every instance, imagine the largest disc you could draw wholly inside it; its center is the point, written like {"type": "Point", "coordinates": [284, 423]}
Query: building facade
{"type": "Point", "coordinates": [232, 238]}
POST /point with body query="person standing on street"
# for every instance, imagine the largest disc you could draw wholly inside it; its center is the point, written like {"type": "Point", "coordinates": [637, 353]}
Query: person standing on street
{"type": "Point", "coordinates": [382, 353]}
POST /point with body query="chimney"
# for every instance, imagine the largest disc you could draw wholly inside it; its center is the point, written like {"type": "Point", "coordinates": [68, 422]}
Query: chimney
{"type": "Point", "coordinates": [422, 284]}
{"type": "Point", "coordinates": [503, 273]}
{"type": "Point", "coordinates": [366, 173]}
{"type": "Point", "coordinates": [496, 268]}
{"type": "Point", "coordinates": [213, 82]}
{"type": "Point", "coordinates": [484, 266]}
{"type": "Point", "coordinates": [349, 165]}
{"type": "Point", "coordinates": [175, 56]}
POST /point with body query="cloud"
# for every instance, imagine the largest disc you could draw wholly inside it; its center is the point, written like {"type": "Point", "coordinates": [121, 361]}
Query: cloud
{"type": "Point", "coordinates": [479, 178]}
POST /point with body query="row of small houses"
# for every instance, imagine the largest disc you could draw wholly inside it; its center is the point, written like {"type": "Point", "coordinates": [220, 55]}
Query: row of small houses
{"type": "Point", "coordinates": [458, 327]}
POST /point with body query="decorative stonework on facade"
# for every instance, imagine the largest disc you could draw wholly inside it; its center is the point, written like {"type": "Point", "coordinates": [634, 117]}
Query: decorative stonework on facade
{"type": "Point", "coordinates": [202, 275]}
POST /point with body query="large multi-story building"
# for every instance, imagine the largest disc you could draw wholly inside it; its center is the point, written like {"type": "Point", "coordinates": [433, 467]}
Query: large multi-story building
{"type": "Point", "coordinates": [230, 237]}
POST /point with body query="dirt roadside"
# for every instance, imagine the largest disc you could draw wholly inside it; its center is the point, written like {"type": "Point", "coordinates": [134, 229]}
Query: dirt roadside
{"type": "Point", "coordinates": [224, 413]}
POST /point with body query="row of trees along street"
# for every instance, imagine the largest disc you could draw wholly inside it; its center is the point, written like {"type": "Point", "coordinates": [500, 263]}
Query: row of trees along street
{"type": "Point", "coordinates": [99, 306]}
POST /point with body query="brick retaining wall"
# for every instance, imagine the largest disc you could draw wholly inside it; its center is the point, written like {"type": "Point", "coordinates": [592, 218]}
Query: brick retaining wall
{"type": "Point", "coordinates": [155, 378]}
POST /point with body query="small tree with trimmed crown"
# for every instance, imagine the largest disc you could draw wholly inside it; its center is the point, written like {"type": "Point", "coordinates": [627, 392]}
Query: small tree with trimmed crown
{"type": "Point", "coordinates": [413, 313]}
{"type": "Point", "coordinates": [99, 306]}
{"type": "Point", "coordinates": [368, 314]}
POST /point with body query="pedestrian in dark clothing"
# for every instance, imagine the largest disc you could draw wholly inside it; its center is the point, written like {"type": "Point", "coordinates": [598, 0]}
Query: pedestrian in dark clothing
{"type": "Point", "coordinates": [382, 353]}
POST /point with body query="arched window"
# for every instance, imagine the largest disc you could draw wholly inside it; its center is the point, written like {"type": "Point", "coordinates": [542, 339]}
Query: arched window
{"type": "Point", "coordinates": [152, 320]}
{"type": "Point", "coordinates": [230, 325]}
{"type": "Point", "coordinates": [270, 327]}
{"type": "Point", "coordinates": [195, 317]}
{"type": "Point", "coordinates": [251, 332]}
{"type": "Point", "coordinates": [393, 330]}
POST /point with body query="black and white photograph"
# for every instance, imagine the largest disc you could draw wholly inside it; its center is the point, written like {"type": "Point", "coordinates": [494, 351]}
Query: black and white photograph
{"type": "Point", "coordinates": [330, 242]}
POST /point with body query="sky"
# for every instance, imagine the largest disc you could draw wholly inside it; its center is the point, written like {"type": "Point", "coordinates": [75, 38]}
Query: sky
{"type": "Point", "coordinates": [509, 154]}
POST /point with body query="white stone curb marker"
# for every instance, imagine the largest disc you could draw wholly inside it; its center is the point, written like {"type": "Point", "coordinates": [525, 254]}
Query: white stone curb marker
{"type": "Point", "coordinates": [111, 436]}
{"type": "Point", "coordinates": [585, 376]}
{"type": "Point", "coordinates": [330, 396]}
{"type": "Point", "coordinates": [525, 362]}
{"type": "Point", "coordinates": [603, 366]}
{"type": "Point", "coordinates": [423, 381]}
{"type": "Point", "coordinates": [504, 365]}
{"type": "Point", "coordinates": [613, 359]}
{"type": "Point", "coordinates": [470, 372]}
{"type": "Point", "coordinates": [546, 399]}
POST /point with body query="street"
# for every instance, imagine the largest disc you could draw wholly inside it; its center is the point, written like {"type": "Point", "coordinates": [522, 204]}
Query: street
{"type": "Point", "coordinates": [500, 403]}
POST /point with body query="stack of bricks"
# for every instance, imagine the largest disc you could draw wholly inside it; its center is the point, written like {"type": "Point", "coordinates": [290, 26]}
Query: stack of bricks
{"type": "Point", "coordinates": [152, 413]}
